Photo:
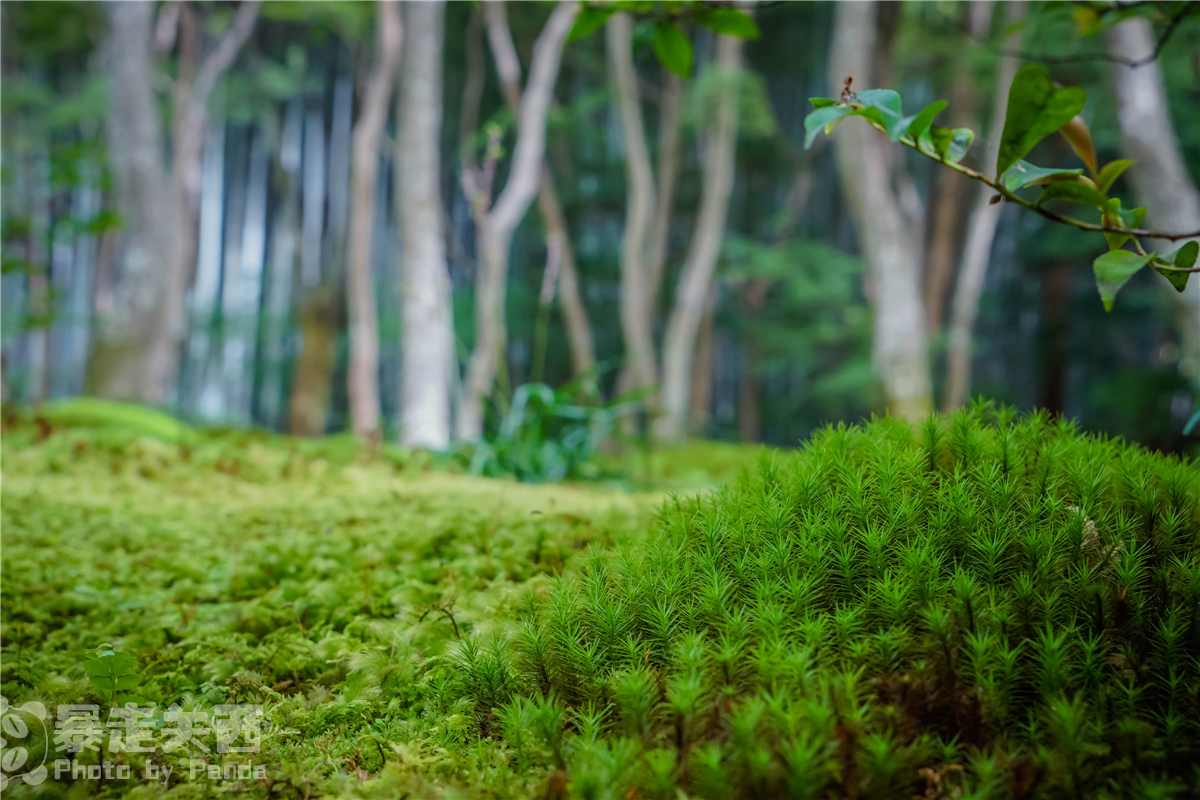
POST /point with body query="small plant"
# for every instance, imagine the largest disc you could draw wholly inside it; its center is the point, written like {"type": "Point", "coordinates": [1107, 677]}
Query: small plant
{"type": "Point", "coordinates": [549, 435]}
{"type": "Point", "coordinates": [112, 674]}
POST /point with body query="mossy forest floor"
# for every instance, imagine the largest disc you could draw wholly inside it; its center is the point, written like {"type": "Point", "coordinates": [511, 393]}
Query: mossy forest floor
{"type": "Point", "coordinates": [323, 581]}
{"type": "Point", "coordinates": [983, 606]}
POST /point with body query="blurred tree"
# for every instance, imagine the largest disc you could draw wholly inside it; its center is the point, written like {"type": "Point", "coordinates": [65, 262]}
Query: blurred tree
{"type": "Point", "coordinates": [495, 223]}
{"type": "Point", "coordinates": [636, 309]}
{"type": "Point", "coordinates": [428, 362]}
{"type": "Point", "coordinates": [136, 353]}
{"type": "Point", "coordinates": [901, 338]}
{"type": "Point", "coordinates": [561, 269]}
{"type": "Point", "coordinates": [363, 372]}
{"type": "Point", "coordinates": [981, 231]}
{"type": "Point", "coordinates": [1160, 177]}
{"type": "Point", "coordinates": [695, 279]}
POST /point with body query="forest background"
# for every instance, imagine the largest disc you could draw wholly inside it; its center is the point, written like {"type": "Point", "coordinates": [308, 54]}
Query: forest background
{"type": "Point", "coordinates": [324, 216]}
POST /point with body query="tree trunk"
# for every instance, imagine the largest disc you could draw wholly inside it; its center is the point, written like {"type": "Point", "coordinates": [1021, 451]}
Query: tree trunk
{"type": "Point", "coordinates": [135, 356]}
{"type": "Point", "coordinates": [137, 350]}
{"type": "Point", "coordinates": [695, 280]}
{"type": "Point", "coordinates": [363, 369]}
{"type": "Point", "coordinates": [670, 113]}
{"type": "Point", "coordinates": [1160, 176]}
{"type": "Point", "coordinates": [700, 394]}
{"type": "Point", "coordinates": [498, 224]}
{"type": "Point", "coordinates": [951, 187]}
{"type": "Point", "coordinates": [636, 304]}
{"type": "Point", "coordinates": [427, 360]}
{"type": "Point", "coordinates": [900, 341]}
{"type": "Point", "coordinates": [981, 230]}
{"type": "Point", "coordinates": [578, 326]}
{"type": "Point", "coordinates": [312, 381]}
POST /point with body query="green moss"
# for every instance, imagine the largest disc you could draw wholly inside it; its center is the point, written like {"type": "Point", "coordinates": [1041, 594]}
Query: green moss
{"type": "Point", "coordinates": [976, 606]}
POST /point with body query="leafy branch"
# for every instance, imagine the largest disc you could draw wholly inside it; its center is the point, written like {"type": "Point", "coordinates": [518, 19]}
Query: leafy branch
{"type": "Point", "coordinates": [1036, 109]}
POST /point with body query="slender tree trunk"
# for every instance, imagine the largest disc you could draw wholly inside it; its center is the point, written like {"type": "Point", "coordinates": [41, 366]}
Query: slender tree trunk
{"type": "Point", "coordinates": [700, 395]}
{"type": "Point", "coordinates": [363, 369]}
{"type": "Point", "coordinates": [900, 342]}
{"type": "Point", "coordinates": [308, 408]}
{"type": "Point", "coordinates": [636, 304]}
{"type": "Point", "coordinates": [575, 316]}
{"type": "Point", "coordinates": [578, 326]}
{"type": "Point", "coordinates": [981, 231]}
{"type": "Point", "coordinates": [951, 187]}
{"type": "Point", "coordinates": [695, 280]}
{"type": "Point", "coordinates": [1160, 177]}
{"type": "Point", "coordinates": [427, 361]}
{"type": "Point", "coordinates": [497, 225]}
{"type": "Point", "coordinates": [670, 113]}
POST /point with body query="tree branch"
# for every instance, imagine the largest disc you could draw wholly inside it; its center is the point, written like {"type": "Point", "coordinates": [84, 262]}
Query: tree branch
{"type": "Point", "coordinates": [1011, 197]}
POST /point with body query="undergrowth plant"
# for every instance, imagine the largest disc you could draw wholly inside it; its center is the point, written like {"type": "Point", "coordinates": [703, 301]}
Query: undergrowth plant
{"type": "Point", "coordinates": [981, 605]}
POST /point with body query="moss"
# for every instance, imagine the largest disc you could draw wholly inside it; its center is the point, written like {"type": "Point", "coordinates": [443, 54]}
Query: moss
{"type": "Point", "coordinates": [975, 606]}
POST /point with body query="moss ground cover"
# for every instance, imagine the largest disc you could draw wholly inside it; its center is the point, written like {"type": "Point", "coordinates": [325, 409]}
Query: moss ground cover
{"type": "Point", "coordinates": [982, 606]}
{"type": "Point", "coordinates": [977, 607]}
{"type": "Point", "coordinates": [324, 582]}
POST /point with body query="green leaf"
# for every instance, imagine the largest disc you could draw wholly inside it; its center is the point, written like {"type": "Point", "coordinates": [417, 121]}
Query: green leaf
{"type": "Point", "coordinates": [1132, 218]}
{"type": "Point", "coordinates": [589, 21]}
{"type": "Point", "coordinates": [822, 102]}
{"type": "Point", "coordinates": [1110, 172]}
{"type": "Point", "coordinates": [1022, 174]}
{"type": "Point", "coordinates": [1177, 277]}
{"type": "Point", "coordinates": [1113, 270]}
{"type": "Point", "coordinates": [1185, 257]}
{"type": "Point", "coordinates": [960, 142]}
{"type": "Point", "coordinates": [730, 22]}
{"type": "Point", "coordinates": [919, 122]}
{"type": "Point", "coordinates": [1073, 192]}
{"type": "Point", "coordinates": [1036, 108]}
{"type": "Point", "coordinates": [673, 49]}
{"type": "Point", "coordinates": [946, 144]}
{"type": "Point", "coordinates": [887, 105]}
{"type": "Point", "coordinates": [818, 119]}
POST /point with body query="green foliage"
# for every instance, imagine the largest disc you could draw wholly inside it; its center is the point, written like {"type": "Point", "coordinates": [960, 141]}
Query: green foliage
{"type": "Point", "coordinates": [865, 617]}
{"type": "Point", "coordinates": [671, 44]}
{"type": "Point", "coordinates": [673, 49]}
{"type": "Point", "coordinates": [1036, 109]}
{"type": "Point", "coordinates": [547, 435]}
{"type": "Point", "coordinates": [94, 412]}
{"type": "Point", "coordinates": [112, 674]}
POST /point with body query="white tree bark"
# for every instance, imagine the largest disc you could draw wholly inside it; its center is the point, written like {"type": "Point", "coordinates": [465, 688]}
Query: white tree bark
{"type": "Point", "coordinates": [427, 358]}
{"type": "Point", "coordinates": [578, 326]}
{"type": "Point", "coordinates": [695, 280]}
{"type": "Point", "coordinates": [497, 225]}
{"type": "Point", "coordinates": [981, 231]}
{"type": "Point", "coordinates": [636, 308]}
{"type": "Point", "coordinates": [363, 369]}
{"type": "Point", "coordinates": [1160, 177]}
{"type": "Point", "coordinates": [900, 339]}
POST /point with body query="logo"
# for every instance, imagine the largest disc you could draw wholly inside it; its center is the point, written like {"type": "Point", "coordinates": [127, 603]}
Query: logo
{"type": "Point", "coordinates": [24, 742]}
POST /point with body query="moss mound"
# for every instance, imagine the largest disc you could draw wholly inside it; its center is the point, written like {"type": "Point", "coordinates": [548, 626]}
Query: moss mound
{"type": "Point", "coordinates": [978, 606]}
